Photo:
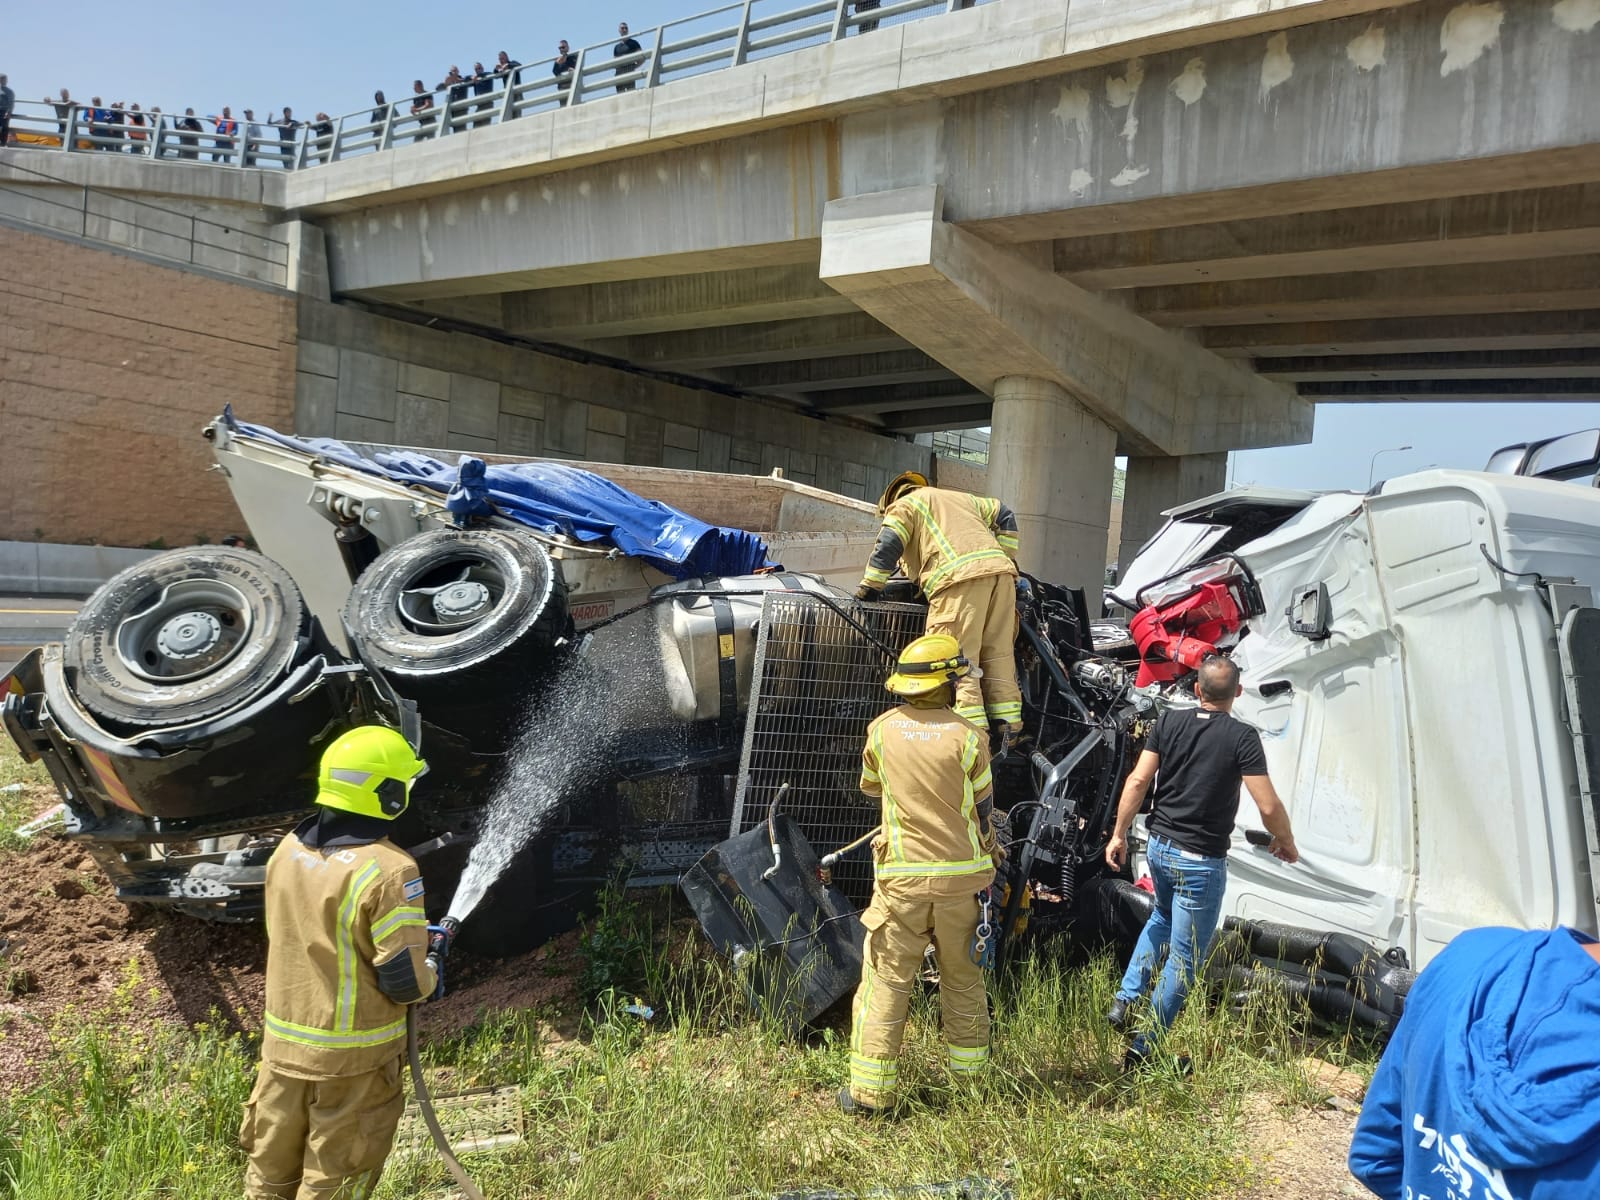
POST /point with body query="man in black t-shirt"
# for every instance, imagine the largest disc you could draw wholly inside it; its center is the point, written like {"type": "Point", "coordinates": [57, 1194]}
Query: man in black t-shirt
{"type": "Point", "coordinates": [1203, 755]}
{"type": "Point", "coordinates": [628, 48]}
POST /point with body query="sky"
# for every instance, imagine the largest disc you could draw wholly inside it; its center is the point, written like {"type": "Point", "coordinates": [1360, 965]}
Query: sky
{"type": "Point", "coordinates": [330, 56]}
{"type": "Point", "coordinates": [1339, 455]}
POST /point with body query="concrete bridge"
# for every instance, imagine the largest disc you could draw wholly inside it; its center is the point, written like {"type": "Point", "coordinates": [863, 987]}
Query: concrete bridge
{"type": "Point", "coordinates": [1163, 229]}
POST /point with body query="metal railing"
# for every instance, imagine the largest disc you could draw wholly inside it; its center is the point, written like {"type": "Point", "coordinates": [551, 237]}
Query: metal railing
{"type": "Point", "coordinates": [62, 206]}
{"type": "Point", "coordinates": [697, 45]}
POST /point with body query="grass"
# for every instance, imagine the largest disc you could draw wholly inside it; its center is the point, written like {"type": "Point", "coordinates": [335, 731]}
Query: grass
{"type": "Point", "coordinates": [704, 1100]}
{"type": "Point", "coordinates": [18, 805]}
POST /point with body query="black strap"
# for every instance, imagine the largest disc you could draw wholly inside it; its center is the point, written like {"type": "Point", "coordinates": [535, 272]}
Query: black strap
{"type": "Point", "coordinates": [727, 667]}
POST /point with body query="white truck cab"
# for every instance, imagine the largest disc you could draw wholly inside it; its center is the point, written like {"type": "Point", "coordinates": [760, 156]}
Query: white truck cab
{"type": "Point", "coordinates": [1426, 680]}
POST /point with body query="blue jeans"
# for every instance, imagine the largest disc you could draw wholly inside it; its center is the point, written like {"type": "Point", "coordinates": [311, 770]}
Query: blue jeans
{"type": "Point", "coordinates": [1189, 891]}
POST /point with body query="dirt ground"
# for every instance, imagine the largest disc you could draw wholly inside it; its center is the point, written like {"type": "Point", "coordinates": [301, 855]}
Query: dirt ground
{"type": "Point", "coordinates": [66, 944]}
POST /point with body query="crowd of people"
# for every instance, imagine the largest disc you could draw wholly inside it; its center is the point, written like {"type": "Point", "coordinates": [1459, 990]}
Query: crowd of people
{"type": "Point", "coordinates": [460, 101]}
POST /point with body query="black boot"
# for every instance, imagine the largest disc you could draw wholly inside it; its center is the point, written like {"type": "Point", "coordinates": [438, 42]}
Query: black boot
{"type": "Point", "coordinates": [1117, 1015]}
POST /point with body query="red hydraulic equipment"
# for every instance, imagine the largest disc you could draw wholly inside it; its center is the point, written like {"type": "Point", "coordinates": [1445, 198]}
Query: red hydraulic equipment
{"type": "Point", "coordinates": [1176, 632]}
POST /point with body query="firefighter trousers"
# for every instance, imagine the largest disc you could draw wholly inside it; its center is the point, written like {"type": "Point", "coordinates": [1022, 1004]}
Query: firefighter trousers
{"type": "Point", "coordinates": [981, 614]}
{"type": "Point", "coordinates": [319, 1139]}
{"type": "Point", "coordinates": [898, 932]}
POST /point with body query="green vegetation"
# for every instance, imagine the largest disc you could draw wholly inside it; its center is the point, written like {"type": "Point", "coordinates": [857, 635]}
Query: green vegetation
{"type": "Point", "coordinates": [18, 804]}
{"type": "Point", "coordinates": [702, 1100]}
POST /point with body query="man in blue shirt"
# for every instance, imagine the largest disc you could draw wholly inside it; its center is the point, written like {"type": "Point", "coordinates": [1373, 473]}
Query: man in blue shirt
{"type": "Point", "coordinates": [1490, 1087]}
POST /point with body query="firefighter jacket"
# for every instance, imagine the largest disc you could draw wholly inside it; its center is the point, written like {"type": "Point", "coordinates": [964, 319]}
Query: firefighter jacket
{"type": "Point", "coordinates": [346, 952]}
{"type": "Point", "coordinates": [930, 768]}
{"type": "Point", "coordinates": [942, 537]}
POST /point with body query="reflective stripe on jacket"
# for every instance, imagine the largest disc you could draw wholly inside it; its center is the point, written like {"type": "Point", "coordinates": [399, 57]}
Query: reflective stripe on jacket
{"type": "Point", "coordinates": [931, 770]}
{"type": "Point", "coordinates": [942, 537]}
{"type": "Point", "coordinates": [335, 916]}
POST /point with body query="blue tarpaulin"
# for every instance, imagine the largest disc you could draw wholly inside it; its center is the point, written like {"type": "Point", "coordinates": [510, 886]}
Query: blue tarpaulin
{"type": "Point", "coordinates": [555, 499]}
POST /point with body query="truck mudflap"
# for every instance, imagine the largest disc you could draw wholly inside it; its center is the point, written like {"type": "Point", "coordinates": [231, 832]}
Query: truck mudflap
{"type": "Point", "coordinates": [1578, 645]}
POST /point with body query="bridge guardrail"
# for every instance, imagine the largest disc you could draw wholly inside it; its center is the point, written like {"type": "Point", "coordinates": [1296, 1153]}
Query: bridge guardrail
{"type": "Point", "coordinates": [697, 45]}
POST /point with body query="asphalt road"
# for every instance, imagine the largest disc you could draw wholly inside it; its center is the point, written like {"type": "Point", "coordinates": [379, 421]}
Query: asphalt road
{"type": "Point", "coordinates": [26, 622]}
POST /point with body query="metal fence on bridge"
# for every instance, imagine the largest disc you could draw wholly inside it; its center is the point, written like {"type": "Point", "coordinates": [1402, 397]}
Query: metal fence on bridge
{"type": "Point", "coordinates": [697, 45]}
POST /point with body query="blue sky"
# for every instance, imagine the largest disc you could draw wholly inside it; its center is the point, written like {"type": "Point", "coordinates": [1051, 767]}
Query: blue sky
{"type": "Point", "coordinates": [331, 55]}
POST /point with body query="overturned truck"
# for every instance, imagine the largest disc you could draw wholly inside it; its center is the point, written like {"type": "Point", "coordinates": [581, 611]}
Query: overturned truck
{"type": "Point", "coordinates": [183, 716]}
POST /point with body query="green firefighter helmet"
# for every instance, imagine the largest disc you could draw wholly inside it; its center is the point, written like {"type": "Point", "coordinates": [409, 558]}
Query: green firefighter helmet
{"type": "Point", "coordinates": [369, 771]}
{"type": "Point", "coordinates": [927, 664]}
{"type": "Point", "coordinates": [899, 486]}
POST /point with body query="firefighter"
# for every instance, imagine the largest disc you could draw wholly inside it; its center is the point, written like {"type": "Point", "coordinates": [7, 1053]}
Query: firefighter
{"type": "Point", "coordinates": [348, 949]}
{"type": "Point", "coordinates": [934, 861]}
{"type": "Point", "coordinates": [961, 550]}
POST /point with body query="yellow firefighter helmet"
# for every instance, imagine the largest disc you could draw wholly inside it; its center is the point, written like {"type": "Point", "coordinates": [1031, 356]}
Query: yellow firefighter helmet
{"type": "Point", "coordinates": [369, 771]}
{"type": "Point", "coordinates": [899, 486]}
{"type": "Point", "coordinates": [927, 664]}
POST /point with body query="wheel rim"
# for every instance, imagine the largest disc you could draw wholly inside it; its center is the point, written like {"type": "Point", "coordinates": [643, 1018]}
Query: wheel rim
{"type": "Point", "coordinates": [451, 597]}
{"type": "Point", "coordinates": [188, 630]}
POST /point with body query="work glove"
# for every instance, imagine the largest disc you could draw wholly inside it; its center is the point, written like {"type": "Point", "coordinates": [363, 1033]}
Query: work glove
{"type": "Point", "coordinates": [867, 592]}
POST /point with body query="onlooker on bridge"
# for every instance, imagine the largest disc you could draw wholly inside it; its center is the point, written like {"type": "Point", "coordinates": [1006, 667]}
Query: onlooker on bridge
{"type": "Point", "coordinates": [482, 85]}
{"type": "Point", "coordinates": [506, 68]}
{"type": "Point", "coordinates": [188, 129]}
{"type": "Point", "coordinates": [63, 109]}
{"type": "Point", "coordinates": [99, 125]}
{"type": "Point", "coordinates": [422, 109]}
{"type": "Point", "coordinates": [287, 128]}
{"type": "Point", "coordinates": [227, 135]}
{"type": "Point", "coordinates": [627, 46]}
{"type": "Point", "coordinates": [137, 138]}
{"type": "Point", "coordinates": [254, 136]}
{"type": "Point", "coordinates": [562, 69]}
{"type": "Point", "coordinates": [380, 114]}
{"type": "Point", "coordinates": [8, 101]}
{"type": "Point", "coordinates": [865, 6]}
{"type": "Point", "coordinates": [455, 98]}
{"type": "Point", "coordinates": [324, 131]}
{"type": "Point", "coordinates": [118, 129]}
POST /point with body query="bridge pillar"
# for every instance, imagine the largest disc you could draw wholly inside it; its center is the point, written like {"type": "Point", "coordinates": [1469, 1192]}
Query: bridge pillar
{"type": "Point", "coordinates": [1156, 483]}
{"type": "Point", "coordinates": [1052, 461]}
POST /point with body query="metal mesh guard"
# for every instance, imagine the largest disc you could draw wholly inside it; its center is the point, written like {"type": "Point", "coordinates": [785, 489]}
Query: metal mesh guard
{"type": "Point", "coordinates": [476, 1120]}
{"type": "Point", "coordinates": [818, 683]}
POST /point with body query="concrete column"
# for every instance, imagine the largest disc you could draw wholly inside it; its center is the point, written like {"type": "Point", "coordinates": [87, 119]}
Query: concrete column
{"type": "Point", "coordinates": [1052, 461]}
{"type": "Point", "coordinates": [1160, 482]}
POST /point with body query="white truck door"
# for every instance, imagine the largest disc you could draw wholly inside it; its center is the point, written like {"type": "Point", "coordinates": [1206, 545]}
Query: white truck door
{"type": "Point", "coordinates": [1332, 717]}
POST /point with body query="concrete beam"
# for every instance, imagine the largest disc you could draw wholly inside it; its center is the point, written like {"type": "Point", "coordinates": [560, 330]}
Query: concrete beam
{"type": "Point", "coordinates": [938, 420]}
{"type": "Point", "coordinates": [708, 300]}
{"type": "Point", "coordinates": [1539, 223]}
{"type": "Point", "coordinates": [1489, 364]}
{"type": "Point", "coordinates": [1420, 335]}
{"type": "Point", "coordinates": [1454, 391]}
{"type": "Point", "coordinates": [1412, 104]}
{"type": "Point", "coordinates": [767, 342]}
{"type": "Point", "coordinates": [897, 398]}
{"type": "Point", "coordinates": [1542, 286]}
{"type": "Point", "coordinates": [986, 313]}
{"type": "Point", "coordinates": [841, 372]}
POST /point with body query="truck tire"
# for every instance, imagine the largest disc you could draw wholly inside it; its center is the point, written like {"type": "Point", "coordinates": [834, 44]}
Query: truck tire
{"type": "Point", "coordinates": [452, 600]}
{"type": "Point", "coordinates": [185, 636]}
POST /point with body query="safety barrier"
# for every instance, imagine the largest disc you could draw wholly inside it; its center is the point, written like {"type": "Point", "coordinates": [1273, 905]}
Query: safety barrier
{"type": "Point", "coordinates": [697, 45]}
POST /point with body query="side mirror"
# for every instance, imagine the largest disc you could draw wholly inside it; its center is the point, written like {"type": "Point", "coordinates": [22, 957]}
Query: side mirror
{"type": "Point", "coordinates": [1308, 612]}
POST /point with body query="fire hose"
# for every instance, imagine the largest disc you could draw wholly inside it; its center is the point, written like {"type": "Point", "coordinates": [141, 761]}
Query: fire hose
{"type": "Point", "coordinates": [469, 1190]}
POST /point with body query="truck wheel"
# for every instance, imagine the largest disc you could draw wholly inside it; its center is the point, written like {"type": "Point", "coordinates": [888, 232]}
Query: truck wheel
{"type": "Point", "coordinates": [449, 600]}
{"type": "Point", "coordinates": [185, 636]}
